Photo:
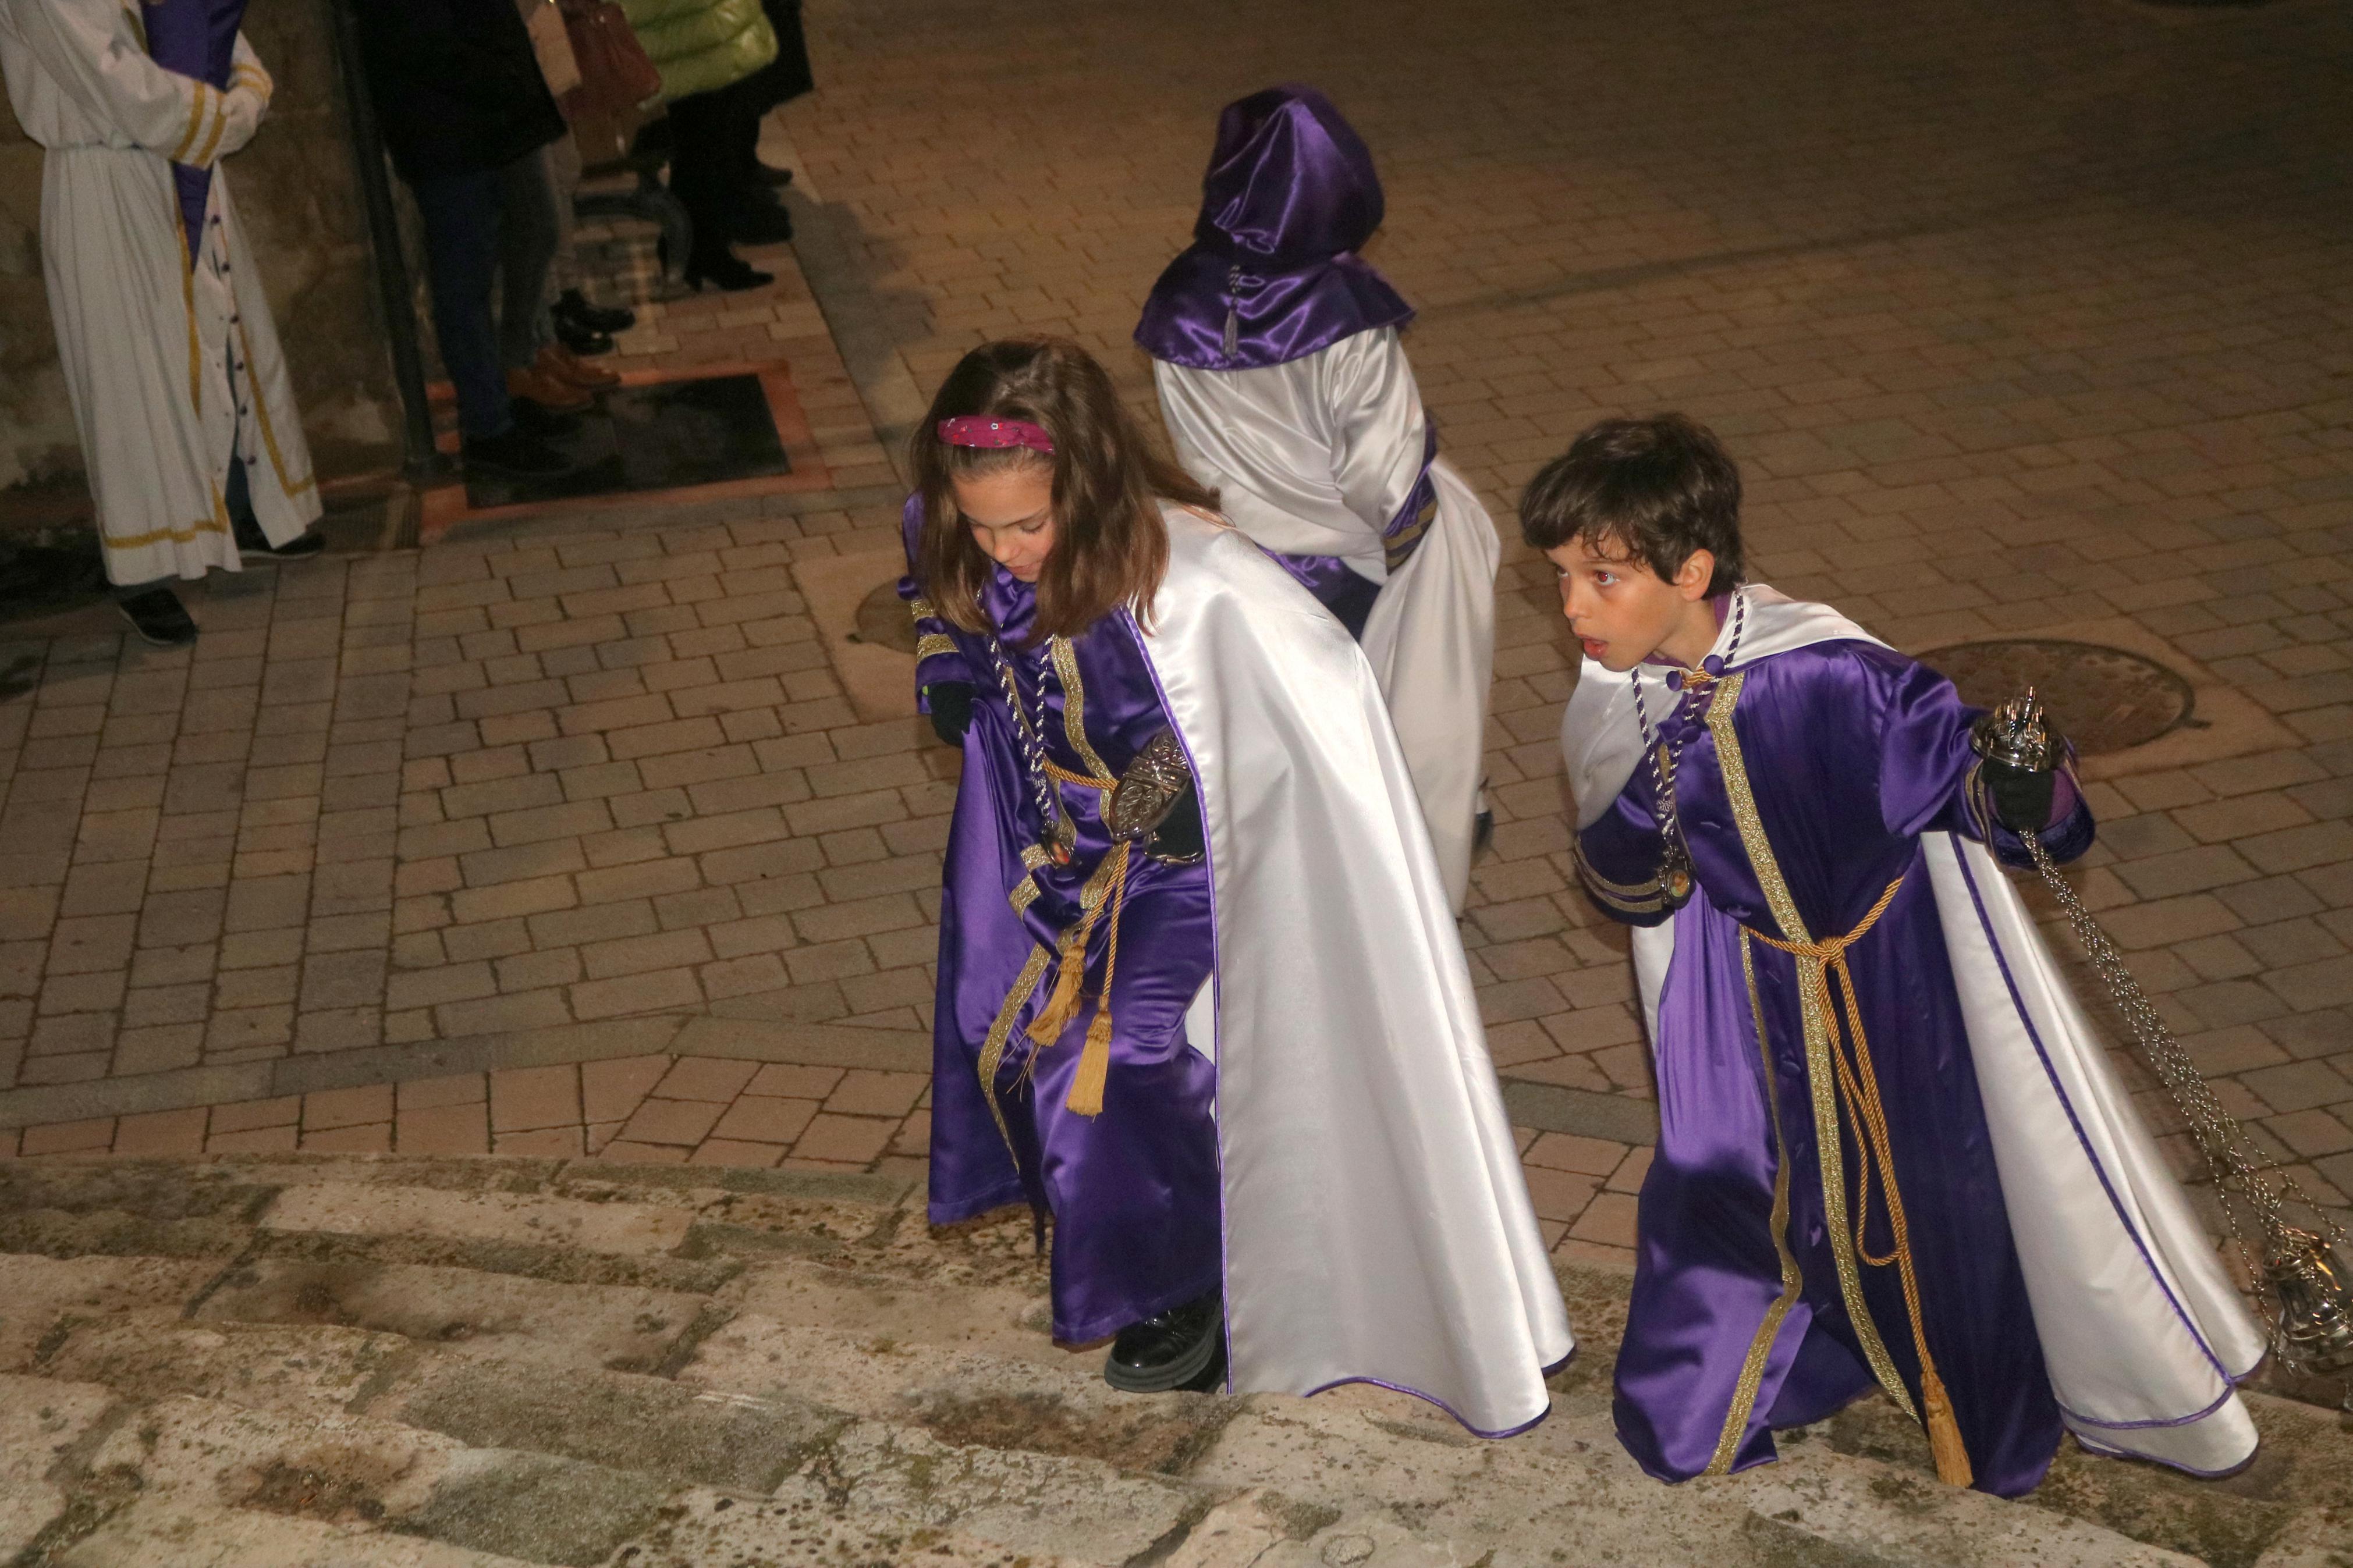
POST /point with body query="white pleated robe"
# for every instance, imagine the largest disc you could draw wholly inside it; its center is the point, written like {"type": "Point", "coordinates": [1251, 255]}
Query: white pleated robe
{"type": "Point", "coordinates": [170, 365]}
{"type": "Point", "coordinates": [1315, 457]}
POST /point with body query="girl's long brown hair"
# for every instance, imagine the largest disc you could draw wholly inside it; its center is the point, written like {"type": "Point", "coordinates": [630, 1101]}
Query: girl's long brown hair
{"type": "Point", "coordinates": [1111, 549]}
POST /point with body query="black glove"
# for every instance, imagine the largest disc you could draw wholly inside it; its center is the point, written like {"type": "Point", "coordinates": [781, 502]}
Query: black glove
{"type": "Point", "coordinates": [1179, 836]}
{"type": "Point", "coordinates": [951, 704]}
{"type": "Point", "coordinates": [2021, 799]}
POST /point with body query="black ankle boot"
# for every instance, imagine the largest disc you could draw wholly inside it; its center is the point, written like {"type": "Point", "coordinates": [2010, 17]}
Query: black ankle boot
{"type": "Point", "coordinates": [1183, 1347]}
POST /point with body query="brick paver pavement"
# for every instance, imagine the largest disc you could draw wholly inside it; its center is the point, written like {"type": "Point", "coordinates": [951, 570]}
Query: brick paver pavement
{"type": "Point", "coordinates": [2020, 321]}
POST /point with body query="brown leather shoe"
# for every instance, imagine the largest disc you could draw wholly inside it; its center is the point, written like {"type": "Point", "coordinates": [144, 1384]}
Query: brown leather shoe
{"type": "Point", "coordinates": [549, 393]}
{"type": "Point", "coordinates": [561, 365]}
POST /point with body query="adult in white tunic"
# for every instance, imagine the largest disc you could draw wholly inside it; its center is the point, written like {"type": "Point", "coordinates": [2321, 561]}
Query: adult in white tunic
{"type": "Point", "coordinates": [171, 363]}
{"type": "Point", "coordinates": [1285, 388]}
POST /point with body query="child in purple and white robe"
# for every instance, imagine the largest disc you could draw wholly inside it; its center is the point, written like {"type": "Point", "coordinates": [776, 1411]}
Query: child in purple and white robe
{"type": "Point", "coordinates": [1891, 1152]}
{"type": "Point", "coordinates": [1233, 1053]}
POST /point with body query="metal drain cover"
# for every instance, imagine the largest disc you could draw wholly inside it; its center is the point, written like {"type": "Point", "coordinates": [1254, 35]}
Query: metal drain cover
{"type": "Point", "coordinates": [2104, 698]}
{"type": "Point", "coordinates": [883, 620]}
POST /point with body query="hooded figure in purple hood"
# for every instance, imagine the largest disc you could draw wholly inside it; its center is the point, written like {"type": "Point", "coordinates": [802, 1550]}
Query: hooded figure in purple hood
{"type": "Point", "coordinates": [1285, 387]}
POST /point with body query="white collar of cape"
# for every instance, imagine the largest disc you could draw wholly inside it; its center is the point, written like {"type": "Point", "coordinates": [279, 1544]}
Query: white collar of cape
{"type": "Point", "coordinates": [1601, 737]}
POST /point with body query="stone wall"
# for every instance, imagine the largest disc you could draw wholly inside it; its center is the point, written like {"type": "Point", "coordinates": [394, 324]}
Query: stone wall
{"type": "Point", "coordinates": [297, 190]}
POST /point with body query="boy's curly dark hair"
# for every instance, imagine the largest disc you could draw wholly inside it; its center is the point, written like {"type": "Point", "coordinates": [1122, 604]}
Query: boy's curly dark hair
{"type": "Point", "coordinates": [1654, 488]}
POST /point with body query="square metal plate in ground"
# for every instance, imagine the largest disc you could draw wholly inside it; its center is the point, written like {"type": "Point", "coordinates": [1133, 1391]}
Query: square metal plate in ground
{"type": "Point", "coordinates": [661, 436]}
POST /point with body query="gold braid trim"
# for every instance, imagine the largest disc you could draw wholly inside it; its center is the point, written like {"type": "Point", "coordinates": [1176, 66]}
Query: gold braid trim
{"type": "Point", "coordinates": [1398, 548]}
{"type": "Point", "coordinates": [1631, 897]}
{"type": "Point", "coordinates": [1752, 1370]}
{"type": "Point", "coordinates": [161, 535]}
{"type": "Point", "coordinates": [992, 1049]}
{"type": "Point", "coordinates": [1074, 709]}
{"type": "Point", "coordinates": [930, 644]}
{"type": "Point", "coordinates": [188, 303]}
{"type": "Point", "coordinates": [287, 483]}
{"type": "Point", "coordinates": [220, 123]}
{"type": "Point", "coordinates": [1819, 1074]}
{"type": "Point", "coordinates": [1840, 1073]}
{"type": "Point", "coordinates": [195, 123]}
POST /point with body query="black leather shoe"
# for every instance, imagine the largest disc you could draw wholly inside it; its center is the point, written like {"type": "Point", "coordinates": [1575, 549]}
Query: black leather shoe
{"type": "Point", "coordinates": [159, 617]}
{"type": "Point", "coordinates": [1174, 1350]}
{"type": "Point", "coordinates": [726, 272]}
{"type": "Point", "coordinates": [575, 305]}
{"type": "Point", "coordinates": [582, 340]}
{"type": "Point", "coordinates": [304, 546]}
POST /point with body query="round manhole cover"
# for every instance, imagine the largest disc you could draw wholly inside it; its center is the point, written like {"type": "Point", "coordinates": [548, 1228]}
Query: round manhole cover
{"type": "Point", "coordinates": [883, 620]}
{"type": "Point", "coordinates": [2104, 698]}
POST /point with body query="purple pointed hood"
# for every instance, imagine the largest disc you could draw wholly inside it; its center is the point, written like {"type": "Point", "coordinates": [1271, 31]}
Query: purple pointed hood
{"type": "Point", "coordinates": [1272, 275]}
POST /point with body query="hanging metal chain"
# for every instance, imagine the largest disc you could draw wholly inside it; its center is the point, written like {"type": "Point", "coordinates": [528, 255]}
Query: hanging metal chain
{"type": "Point", "coordinates": [2302, 1303]}
{"type": "Point", "coordinates": [1059, 835]}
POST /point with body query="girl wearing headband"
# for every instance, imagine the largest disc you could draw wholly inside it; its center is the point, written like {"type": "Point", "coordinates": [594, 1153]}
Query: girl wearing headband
{"type": "Point", "coordinates": [1200, 997]}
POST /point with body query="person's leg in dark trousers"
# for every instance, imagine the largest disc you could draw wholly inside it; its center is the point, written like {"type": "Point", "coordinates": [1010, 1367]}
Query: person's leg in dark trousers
{"type": "Point", "coordinates": [758, 217]}
{"type": "Point", "coordinates": [527, 236]}
{"type": "Point", "coordinates": [461, 251]}
{"type": "Point", "coordinates": [700, 176]}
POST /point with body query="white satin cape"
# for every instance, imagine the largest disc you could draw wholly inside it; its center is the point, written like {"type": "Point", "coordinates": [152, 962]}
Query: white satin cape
{"type": "Point", "coordinates": [2143, 1335]}
{"type": "Point", "coordinates": [1377, 1221]}
{"type": "Point", "coordinates": [1315, 457]}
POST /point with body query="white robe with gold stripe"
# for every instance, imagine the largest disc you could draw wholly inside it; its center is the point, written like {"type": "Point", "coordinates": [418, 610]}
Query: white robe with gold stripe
{"type": "Point", "coordinates": [170, 366]}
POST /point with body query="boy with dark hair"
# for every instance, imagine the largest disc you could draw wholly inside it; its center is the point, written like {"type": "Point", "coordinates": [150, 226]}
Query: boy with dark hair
{"type": "Point", "coordinates": [1891, 1153]}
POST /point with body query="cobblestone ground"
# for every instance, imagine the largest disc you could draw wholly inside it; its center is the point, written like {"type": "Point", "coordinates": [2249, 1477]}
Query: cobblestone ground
{"type": "Point", "coordinates": [2020, 321]}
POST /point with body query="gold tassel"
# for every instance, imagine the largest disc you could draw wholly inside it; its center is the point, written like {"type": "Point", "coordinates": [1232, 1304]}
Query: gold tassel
{"type": "Point", "coordinates": [1062, 1004]}
{"type": "Point", "coordinates": [1086, 1094]}
{"type": "Point", "coordinates": [1944, 1432]}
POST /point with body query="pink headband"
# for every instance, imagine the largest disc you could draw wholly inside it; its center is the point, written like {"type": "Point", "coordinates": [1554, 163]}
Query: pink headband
{"type": "Point", "coordinates": [975, 430]}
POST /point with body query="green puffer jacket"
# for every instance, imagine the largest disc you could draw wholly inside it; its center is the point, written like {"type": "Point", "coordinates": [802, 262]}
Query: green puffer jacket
{"type": "Point", "coordinates": [701, 46]}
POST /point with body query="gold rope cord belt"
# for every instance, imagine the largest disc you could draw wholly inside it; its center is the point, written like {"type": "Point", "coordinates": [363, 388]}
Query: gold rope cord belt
{"type": "Point", "coordinates": [1108, 884]}
{"type": "Point", "coordinates": [1817, 963]}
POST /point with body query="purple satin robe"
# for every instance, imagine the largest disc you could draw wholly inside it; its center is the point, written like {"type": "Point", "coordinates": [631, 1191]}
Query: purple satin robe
{"type": "Point", "coordinates": [1851, 752]}
{"type": "Point", "coordinates": [1134, 1192]}
{"type": "Point", "coordinates": [1273, 274]}
{"type": "Point", "coordinates": [195, 38]}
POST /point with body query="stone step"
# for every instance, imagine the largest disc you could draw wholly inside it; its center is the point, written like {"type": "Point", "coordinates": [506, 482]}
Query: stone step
{"type": "Point", "coordinates": [618, 1328]}
{"type": "Point", "coordinates": [41, 1297]}
{"type": "Point", "coordinates": [549, 1362]}
{"type": "Point", "coordinates": [191, 1535]}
